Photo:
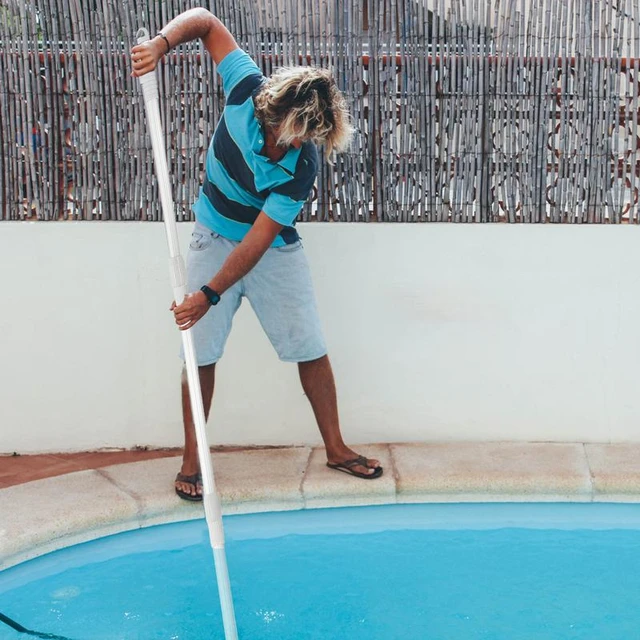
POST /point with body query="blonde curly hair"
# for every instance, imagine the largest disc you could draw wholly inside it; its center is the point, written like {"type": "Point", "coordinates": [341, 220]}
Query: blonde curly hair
{"type": "Point", "coordinates": [305, 103]}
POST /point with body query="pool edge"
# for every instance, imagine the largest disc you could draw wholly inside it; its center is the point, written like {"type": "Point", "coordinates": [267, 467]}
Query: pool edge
{"type": "Point", "coordinates": [46, 515]}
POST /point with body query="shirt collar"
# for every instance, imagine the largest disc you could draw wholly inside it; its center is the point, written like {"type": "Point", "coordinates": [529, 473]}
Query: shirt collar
{"type": "Point", "coordinates": [288, 162]}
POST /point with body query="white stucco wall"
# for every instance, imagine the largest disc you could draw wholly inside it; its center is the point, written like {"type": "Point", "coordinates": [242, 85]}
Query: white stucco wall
{"type": "Point", "coordinates": [436, 332]}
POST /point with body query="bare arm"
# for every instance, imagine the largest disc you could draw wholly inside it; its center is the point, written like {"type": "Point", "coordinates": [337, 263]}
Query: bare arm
{"type": "Point", "coordinates": [190, 25]}
{"type": "Point", "coordinates": [240, 261]}
{"type": "Point", "coordinates": [247, 254]}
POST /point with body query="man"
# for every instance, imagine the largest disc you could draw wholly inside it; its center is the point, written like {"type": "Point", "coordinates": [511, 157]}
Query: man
{"type": "Point", "coordinates": [261, 165]}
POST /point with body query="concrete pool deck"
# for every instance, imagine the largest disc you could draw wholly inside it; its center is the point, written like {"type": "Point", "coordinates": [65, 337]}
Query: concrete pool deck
{"type": "Point", "coordinates": [95, 494]}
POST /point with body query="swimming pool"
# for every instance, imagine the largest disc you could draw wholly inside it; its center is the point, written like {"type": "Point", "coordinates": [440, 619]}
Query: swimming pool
{"type": "Point", "coordinates": [436, 572]}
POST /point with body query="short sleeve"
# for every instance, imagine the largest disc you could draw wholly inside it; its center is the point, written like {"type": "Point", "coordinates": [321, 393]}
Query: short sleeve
{"type": "Point", "coordinates": [282, 209]}
{"type": "Point", "coordinates": [235, 67]}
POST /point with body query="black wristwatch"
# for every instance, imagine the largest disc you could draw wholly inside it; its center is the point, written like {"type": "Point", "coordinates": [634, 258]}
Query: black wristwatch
{"type": "Point", "coordinates": [212, 296]}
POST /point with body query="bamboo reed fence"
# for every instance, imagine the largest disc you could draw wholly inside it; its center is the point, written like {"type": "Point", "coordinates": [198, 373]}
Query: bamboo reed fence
{"type": "Point", "coordinates": [465, 110]}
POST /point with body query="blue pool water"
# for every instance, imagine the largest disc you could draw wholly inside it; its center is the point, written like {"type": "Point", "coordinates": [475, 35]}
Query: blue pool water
{"type": "Point", "coordinates": [432, 572]}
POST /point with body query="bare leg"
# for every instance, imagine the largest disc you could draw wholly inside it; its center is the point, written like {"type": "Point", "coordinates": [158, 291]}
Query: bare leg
{"type": "Point", "coordinates": [319, 386]}
{"type": "Point", "coordinates": [190, 464]}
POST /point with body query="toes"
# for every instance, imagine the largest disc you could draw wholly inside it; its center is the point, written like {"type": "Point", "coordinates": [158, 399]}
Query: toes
{"type": "Point", "coordinates": [184, 488]}
{"type": "Point", "coordinates": [188, 488]}
{"type": "Point", "coordinates": [366, 470]}
{"type": "Point", "coordinates": [370, 467]}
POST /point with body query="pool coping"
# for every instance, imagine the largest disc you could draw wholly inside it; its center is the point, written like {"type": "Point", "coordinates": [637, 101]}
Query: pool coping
{"type": "Point", "coordinates": [45, 515]}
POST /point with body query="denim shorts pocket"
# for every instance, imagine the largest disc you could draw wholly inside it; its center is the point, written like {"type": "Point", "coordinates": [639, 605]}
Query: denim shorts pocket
{"type": "Point", "coordinates": [290, 248]}
{"type": "Point", "coordinates": [200, 239]}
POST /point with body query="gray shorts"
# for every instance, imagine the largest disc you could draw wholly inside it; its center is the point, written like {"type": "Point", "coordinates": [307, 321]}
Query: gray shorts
{"type": "Point", "coordinates": [278, 288]}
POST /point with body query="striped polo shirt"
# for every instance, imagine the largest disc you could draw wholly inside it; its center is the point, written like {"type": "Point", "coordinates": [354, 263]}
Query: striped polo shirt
{"type": "Point", "coordinates": [240, 182]}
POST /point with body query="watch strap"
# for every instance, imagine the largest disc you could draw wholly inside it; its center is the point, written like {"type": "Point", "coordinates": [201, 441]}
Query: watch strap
{"type": "Point", "coordinates": [212, 296]}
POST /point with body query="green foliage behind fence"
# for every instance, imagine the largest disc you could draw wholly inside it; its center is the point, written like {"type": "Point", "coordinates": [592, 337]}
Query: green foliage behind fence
{"type": "Point", "coordinates": [465, 110]}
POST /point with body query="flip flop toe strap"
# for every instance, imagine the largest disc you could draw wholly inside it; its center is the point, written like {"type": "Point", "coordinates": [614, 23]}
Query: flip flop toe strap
{"type": "Point", "coordinates": [360, 460]}
{"type": "Point", "coordinates": [194, 479]}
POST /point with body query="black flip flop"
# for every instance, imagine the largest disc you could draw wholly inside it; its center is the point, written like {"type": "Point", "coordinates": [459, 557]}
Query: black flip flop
{"type": "Point", "coordinates": [347, 467]}
{"type": "Point", "coordinates": [194, 479]}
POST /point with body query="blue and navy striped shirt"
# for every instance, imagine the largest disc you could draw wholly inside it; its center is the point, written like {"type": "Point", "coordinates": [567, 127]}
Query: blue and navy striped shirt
{"type": "Point", "coordinates": [240, 182]}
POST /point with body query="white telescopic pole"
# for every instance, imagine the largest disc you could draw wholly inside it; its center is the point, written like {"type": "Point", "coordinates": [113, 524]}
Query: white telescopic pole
{"type": "Point", "coordinates": [210, 498]}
